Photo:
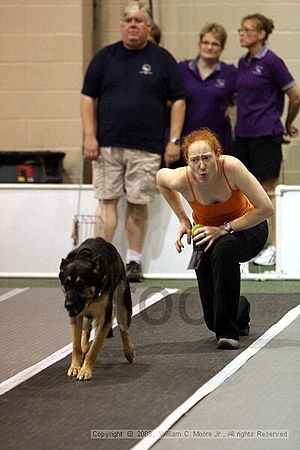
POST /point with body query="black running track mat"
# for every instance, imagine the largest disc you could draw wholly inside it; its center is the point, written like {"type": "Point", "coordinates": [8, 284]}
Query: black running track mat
{"type": "Point", "coordinates": [174, 358]}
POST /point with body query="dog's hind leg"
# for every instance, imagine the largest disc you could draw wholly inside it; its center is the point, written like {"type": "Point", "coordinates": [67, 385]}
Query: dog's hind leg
{"type": "Point", "coordinates": [123, 304]}
{"type": "Point", "coordinates": [76, 329]}
{"type": "Point", "coordinates": [128, 347]}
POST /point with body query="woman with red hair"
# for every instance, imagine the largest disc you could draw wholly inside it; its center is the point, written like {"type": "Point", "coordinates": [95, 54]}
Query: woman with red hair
{"type": "Point", "coordinates": [230, 208]}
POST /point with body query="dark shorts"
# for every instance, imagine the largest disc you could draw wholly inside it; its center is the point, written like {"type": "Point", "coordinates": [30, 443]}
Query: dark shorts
{"type": "Point", "coordinates": [262, 156]}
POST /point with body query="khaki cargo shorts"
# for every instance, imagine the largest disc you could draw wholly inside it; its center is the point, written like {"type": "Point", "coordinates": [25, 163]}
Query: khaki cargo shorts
{"type": "Point", "coordinates": [125, 172]}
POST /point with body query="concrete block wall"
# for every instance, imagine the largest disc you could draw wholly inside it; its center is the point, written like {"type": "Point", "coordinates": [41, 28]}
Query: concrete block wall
{"type": "Point", "coordinates": [45, 46]}
{"type": "Point", "coordinates": [182, 20]}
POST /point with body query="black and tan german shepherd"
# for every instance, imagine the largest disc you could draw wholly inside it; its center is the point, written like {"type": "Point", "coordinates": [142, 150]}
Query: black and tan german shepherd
{"type": "Point", "coordinates": [94, 282]}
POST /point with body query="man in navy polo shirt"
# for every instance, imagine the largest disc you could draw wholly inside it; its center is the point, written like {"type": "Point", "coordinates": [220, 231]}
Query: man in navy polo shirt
{"type": "Point", "coordinates": [262, 82]}
{"type": "Point", "coordinates": [124, 96]}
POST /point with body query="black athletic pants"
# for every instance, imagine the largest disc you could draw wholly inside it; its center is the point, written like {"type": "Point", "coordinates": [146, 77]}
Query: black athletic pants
{"type": "Point", "coordinates": [219, 280]}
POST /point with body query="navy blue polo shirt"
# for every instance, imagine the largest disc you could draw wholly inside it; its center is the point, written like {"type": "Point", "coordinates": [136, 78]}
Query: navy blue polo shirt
{"type": "Point", "coordinates": [261, 84]}
{"type": "Point", "coordinates": [208, 100]}
{"type": "Point", "coordinates": [132, 88]}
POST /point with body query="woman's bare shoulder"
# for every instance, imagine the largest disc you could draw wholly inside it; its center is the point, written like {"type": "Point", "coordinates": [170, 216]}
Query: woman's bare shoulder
{"type": "Point", "coordinates": [234, 169]}
{"type": "Point", "coordinates": [173, 178]}
{"type": "Point", "coordinates": [231, 162]}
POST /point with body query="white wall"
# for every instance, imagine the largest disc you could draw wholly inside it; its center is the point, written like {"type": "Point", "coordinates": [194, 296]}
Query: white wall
{"type": "Point", "coordinates": [288, 230]}
{"type": "Point", "coordinates": [36, 223]}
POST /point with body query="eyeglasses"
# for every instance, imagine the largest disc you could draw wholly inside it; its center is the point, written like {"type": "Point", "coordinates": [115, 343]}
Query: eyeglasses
{"type": "Point", "coordinates": [213, 44]}
{"type": "Point", "coordinates": [245, 30]}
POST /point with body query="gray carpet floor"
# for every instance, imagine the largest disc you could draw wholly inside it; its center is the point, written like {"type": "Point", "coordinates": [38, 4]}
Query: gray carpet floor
{"type": "Point", "coordinates": [176, 354]}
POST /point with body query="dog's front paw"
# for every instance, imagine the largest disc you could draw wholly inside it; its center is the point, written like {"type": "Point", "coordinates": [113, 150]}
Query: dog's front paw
{"type": "Point", "coordinates": [73, 371]}
{"type": "Point", "coordinates": [85, 373]}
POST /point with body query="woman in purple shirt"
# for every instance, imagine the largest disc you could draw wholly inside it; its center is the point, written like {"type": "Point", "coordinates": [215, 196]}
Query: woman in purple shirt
{"type": "Point", "coordinates": [210, 87]}
{"type": "Point", "coordinates": [262, 82]}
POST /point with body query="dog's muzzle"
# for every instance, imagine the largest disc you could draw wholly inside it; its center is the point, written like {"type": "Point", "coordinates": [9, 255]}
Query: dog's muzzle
{"type": "Point", "coordinates": [72, 309]}
{"type": "Point", "coordinates": [73, 313]}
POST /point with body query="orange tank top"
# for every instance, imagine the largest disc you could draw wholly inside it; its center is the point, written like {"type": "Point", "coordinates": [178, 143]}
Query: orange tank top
{"type": "Point", "coordinates": [216, 214]}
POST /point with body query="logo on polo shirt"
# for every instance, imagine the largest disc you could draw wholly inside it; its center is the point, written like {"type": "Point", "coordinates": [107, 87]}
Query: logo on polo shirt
{"type": "Point", "coordinates": [146, 69]}
{"type": "Point", "coordinates": [257, 70]}
{"type": "Point", "coordinates": [220, 82]}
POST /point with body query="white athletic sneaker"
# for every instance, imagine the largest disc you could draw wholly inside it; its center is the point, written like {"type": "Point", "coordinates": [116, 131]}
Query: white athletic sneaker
{"type": "Point", "coordinates": [267, 257]}
{"type": "Point", "coordinates": [227, 344]}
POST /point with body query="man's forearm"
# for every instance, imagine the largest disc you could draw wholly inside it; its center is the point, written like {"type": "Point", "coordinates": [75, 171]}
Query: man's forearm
{"type": "Point", "coordinates": [88, 116]}
{"type": "Point", "coordinates": [172, 151]}
{"type": "Point", "coordinates": [177, 118]}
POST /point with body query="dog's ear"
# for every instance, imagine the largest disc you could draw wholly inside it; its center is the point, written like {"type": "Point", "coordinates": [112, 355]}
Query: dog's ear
{"type": "Point", "coordinates": [63, 264]}
{"type": "Point", "coordinates": [97, 260]}
{"type": "Point", "coordinates": [98, 269]}
{"type": "Point", "coordinates": [61, 269]}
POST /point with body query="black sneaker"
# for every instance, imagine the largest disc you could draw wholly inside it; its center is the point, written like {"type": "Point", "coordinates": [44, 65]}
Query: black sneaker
{"type": "Point", "coordinates": [244, 316]}
{"type": "Point", "coordinates": [245, 331]}
{"type": "Point", "coordinates": [134, 271]}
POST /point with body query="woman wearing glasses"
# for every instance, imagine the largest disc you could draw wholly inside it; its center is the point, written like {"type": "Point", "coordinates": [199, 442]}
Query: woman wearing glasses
{"type": "Point", "coordinates": [263, 80]}
{"type": "Point", "coordinates": [210, 86]}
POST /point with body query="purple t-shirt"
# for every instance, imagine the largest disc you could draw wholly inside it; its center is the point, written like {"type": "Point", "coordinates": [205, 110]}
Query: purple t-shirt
{"type": "Point", "coordinates": [260, 94]}
{"type": "Point", "coordinates": [207, 100]}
